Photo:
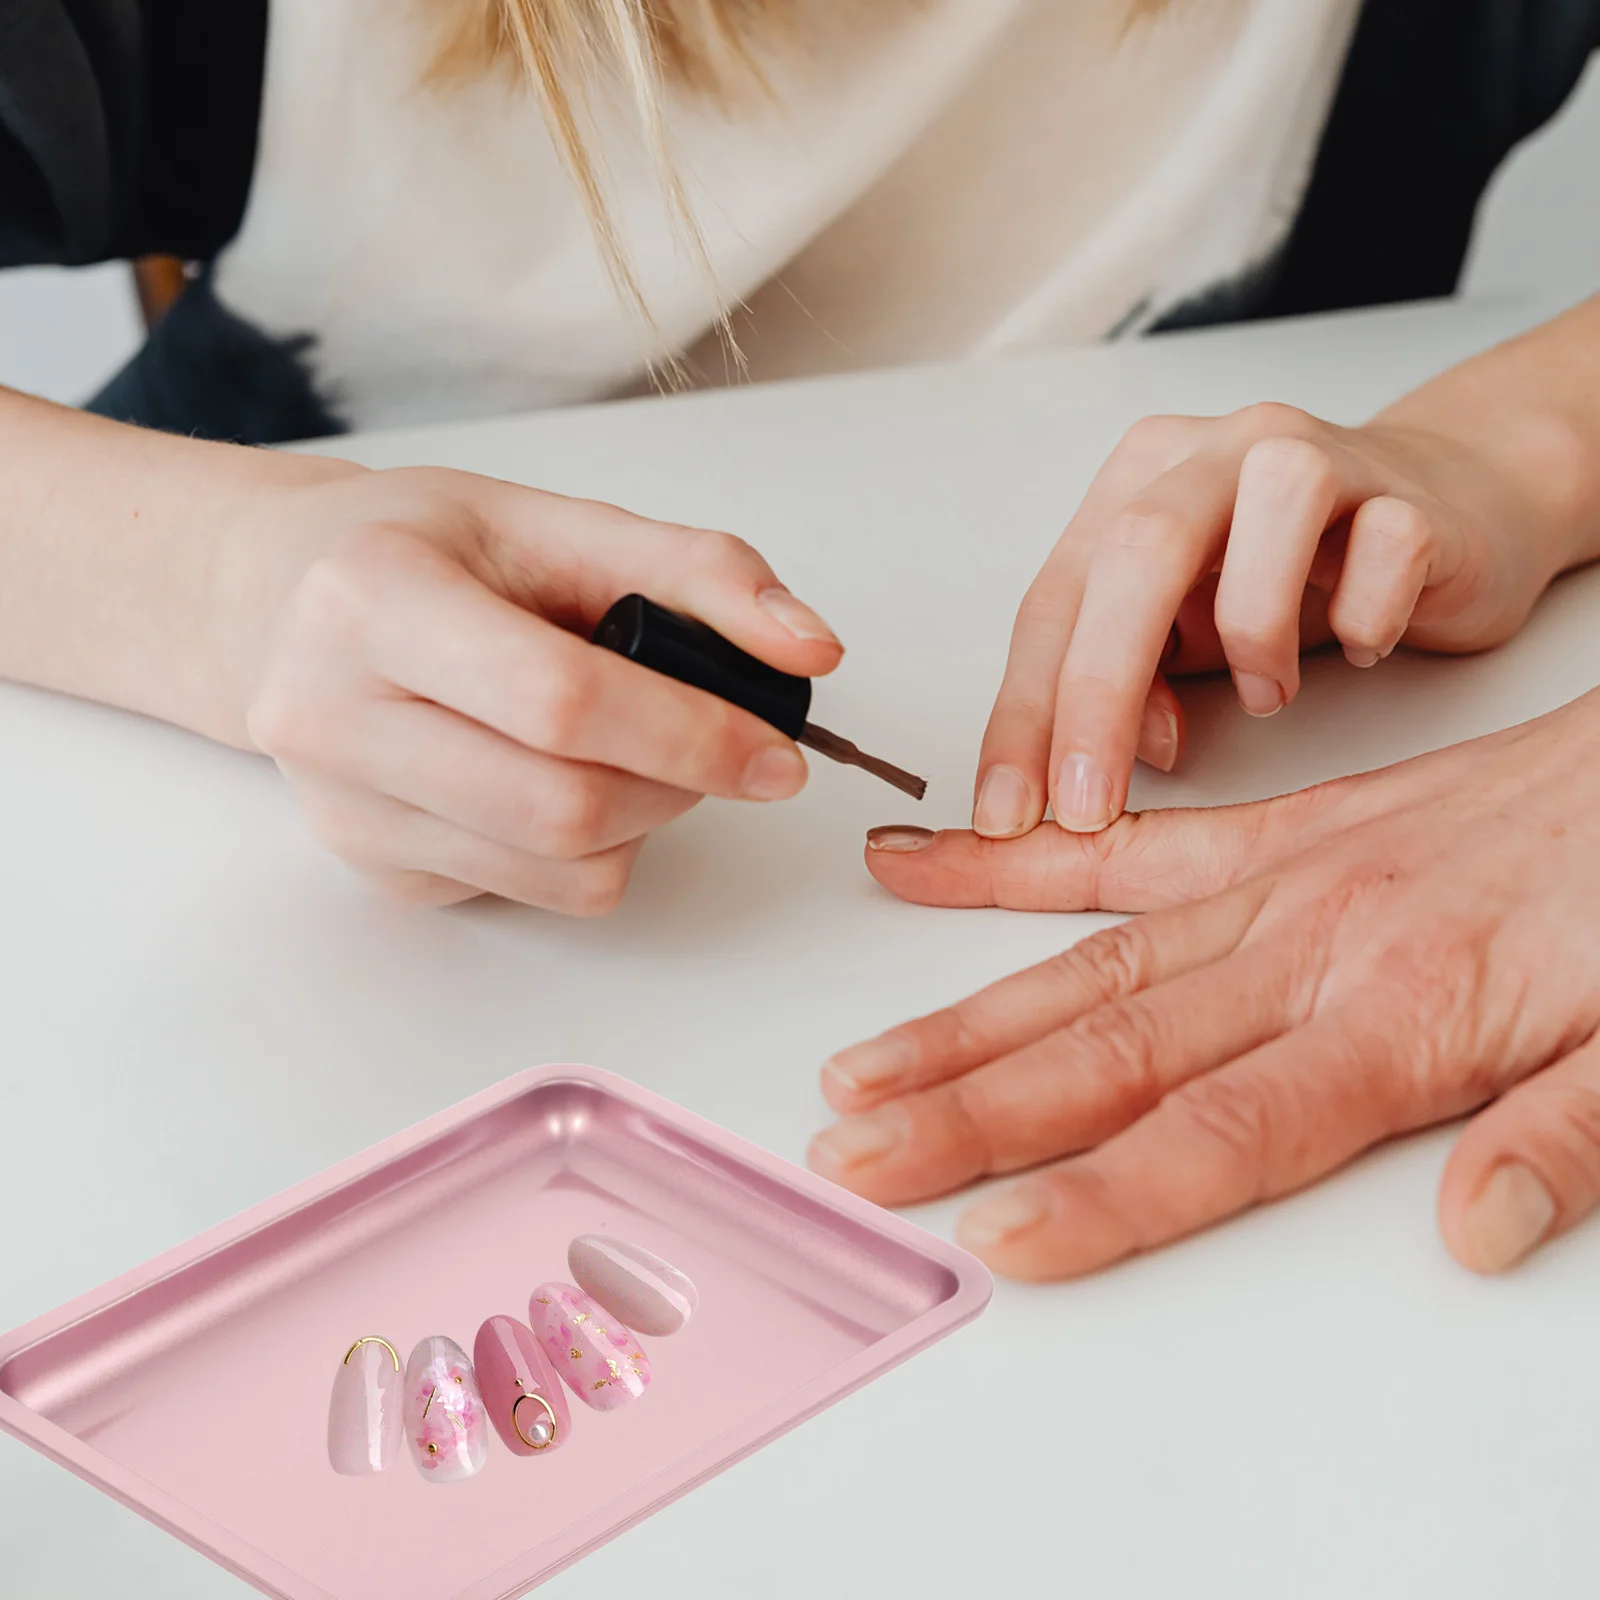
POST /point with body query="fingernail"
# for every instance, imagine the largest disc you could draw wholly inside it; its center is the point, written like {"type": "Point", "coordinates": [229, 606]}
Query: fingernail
{"type": "Point", "coordinates": [853, 1141]}
{"type": "Point", "coordinates": [773, 774]}
{"type": "Point", "coordinates": [365, 1415]}
{"type": "Point", "coordinates": [900, 841]}
{"type": "Point", "coordinates": [870, 1066]}
{"type": "Point", "coordinates": [1083, 796]}
{"type": "Point", "coordinates": [597, 1357]}
{"type": "Point", "coordinates": [444, 1413]}
{"type": "Point", "coordinates": [1158, 737]}
{"type": "Point", "coordinates": [795, 617]}
{"type": "Point", "coordinates": [1511, 1214]}
{"type": "Point", "coordinates": [639, 1289]}
{"type": "Point", "coordinates": [999, 1216]}
{"type": "Point", "coordinates": [1003, 804]}
{"type": "Point", "coordinates": [1261, 697]}
{"type": "Point", "coordinates": [1361, 658]}
{"type": "Point", "coordinates": [518, 1384]}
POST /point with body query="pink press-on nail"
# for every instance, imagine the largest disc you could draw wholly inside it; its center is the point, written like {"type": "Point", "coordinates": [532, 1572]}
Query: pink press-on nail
{"type": "Point", "coordinates": [364, 1415]}
{"type": "Point", "coordinates": [524, 1397]}
{"type": "Point", "coordinates": [641, 1290]}
{"type": "Point", "coordinates": [597, 1357]}
{"type": "Point", "coordinates": [445, 1422]}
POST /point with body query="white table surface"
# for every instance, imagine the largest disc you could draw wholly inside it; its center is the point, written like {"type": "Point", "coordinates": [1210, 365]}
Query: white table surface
{"type": "Point", "coordinates": [198, 1008]}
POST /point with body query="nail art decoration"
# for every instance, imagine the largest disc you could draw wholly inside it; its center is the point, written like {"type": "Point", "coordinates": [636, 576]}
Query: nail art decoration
{"type": "Point", "coordinates": [365, 1417]}
{"type": "Point", "coordinates": [524, 1398]}
{"type": "Point", "coordinates": [649, 1295]}
{"type": "Point", "coordinates": [444, 1414]}
{"type": "Point", "coordinates": [597, 1357]}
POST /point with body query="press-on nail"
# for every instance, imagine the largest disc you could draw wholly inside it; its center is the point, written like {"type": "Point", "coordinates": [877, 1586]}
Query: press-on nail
{"type": "Point", "coordinates": [519, 1384]}
{"type": "Point", "coordinates": [1003, 804]}
{"type": "Point", "coordinates": [1083, 803]}
{"type": "Point", "coordinates": [445, 1422]}
{"type": "Point", "coordinates": [1261, 697]}
{"type": "Point", "coordinates": [365, 1420]}
{"type": "Point", "coordinates": [597, 1357]}
{"type": "Point", "coordinates": [1512, 1213]}
{"type": "Point", "coordinates": [900, 841]}
{"type": "Point", "coordinates": [795, 617]}
{"type": "Point", "coordinates": [639, 1289]}
{"type": "Point", "coordinates": [773, 774]}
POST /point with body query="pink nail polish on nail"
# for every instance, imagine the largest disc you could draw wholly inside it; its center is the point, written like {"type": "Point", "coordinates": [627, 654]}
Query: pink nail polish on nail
{"type": "Point", "coordinates": [639, 1289]}
{"type": "Point", "coordinates": [597, 1357]}
{"type": "Point", "coordinates": [365, 1420]}
{"type": "Point", "coordinates": [521, 1392]}
{"type": "Point", "coordinates": [445, 1422]}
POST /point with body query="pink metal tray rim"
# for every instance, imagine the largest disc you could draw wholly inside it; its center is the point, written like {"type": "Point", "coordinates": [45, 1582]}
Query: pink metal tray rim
{"type": "Point", "coordinates": [973, 1289]}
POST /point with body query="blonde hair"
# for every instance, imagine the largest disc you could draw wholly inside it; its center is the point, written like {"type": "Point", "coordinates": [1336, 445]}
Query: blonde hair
{"type": "Point", "coordinates": [566, 49]}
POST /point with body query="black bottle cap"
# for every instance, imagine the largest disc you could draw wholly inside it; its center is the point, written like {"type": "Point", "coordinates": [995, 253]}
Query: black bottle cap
{"type": "Point", "coordinates": [682, 648]}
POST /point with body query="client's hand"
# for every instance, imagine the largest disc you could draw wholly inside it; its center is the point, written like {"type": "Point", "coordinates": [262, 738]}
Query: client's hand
{"type": "Point", "coordinates": [1316, 973]}
{"type": "Point", "coordinates": [412, 651]}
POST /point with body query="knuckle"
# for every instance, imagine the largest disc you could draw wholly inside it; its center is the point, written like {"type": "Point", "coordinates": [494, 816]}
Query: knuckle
{"type": "Point", "coordinates": [713, 550]}
{"type": "Point", "coordinates": [1125, 1044]}
{"type": "Point", "coordinates": [562, 705]}
{"type": "Point", "coordinates": [281, 724]}
{"type": "Point", "coordinates": [1237, 1114]}
{"type": "Point", "coordinates": [1395, 526]}
{"type": "Point", "coordinates": [1248, 633]}
{"type": "Point", "coordinates": [1283, 458]}
{"type": "Point", "coordinates": [1268, 417]}
{"type": "Point", "coordinates": [1111, 963]}
{"type": "Point", "coordinates": [567, 821]}
{"type": "Point", "coordinates": [596, 888]}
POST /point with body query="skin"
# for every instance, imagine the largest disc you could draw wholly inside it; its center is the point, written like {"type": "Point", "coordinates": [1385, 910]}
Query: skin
{"type": "Point", "coordinates": [1313, 974]}
{"type": "Point", "coordinates": [1316, 973]}
{"type": "Point", "coordinates": [410, 647]}
{"type": "Point", "coordinates": [1233, 542]}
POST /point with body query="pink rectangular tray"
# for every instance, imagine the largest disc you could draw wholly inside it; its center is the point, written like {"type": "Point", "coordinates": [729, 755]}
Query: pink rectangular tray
{"type": "Point", "coordinates": [195, 1389]}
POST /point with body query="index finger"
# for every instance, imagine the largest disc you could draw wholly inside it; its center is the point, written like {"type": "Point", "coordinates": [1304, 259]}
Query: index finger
{"type": "Point", "coordinates": [437, 633]}
{"type": "Point", "coordinates": [1152, 553]}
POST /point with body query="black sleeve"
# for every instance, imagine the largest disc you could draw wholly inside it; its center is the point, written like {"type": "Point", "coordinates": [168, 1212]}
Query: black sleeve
{"type": "Point", "coordinates": [127, 127]}
{"type": "Point", "coordinates": [1436, 94]}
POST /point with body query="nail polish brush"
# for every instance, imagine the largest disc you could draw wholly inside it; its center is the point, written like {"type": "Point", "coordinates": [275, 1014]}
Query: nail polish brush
{"type": "Point", "coordinates": [688, 650]}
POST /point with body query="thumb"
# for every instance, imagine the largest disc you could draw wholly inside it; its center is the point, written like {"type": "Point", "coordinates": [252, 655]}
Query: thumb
{"type": "Point", "coordinates": [1142, 862]}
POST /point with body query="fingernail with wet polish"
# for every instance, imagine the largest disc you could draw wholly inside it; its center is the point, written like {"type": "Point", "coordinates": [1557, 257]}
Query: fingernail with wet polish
{"type": "Point", "coordinates": [870, 1066]}
{"type": "Point", "coordinates": [1083, 796]}
{"type": "Point", "coordinates": [1158, 737]}
{"type": "Point", "coordinates": [854, 1141]}
{"type": "Point", "coordinates": [900, 841]}
{"type": "Point", "coordinates": [638, 1288]}
{"type": "Point", "coordinates": [795, 617]}
{"type": "Point", "coordinates": [1512, 1214]}
{"type": "Point", "coordinates": [521, 1391]}
{"type": "Point", "coordinates": [998, 1217]}
{"type": "Point", "coordinates": [445, 1421]}
{"type": "Point", "coordinates": [1003, 804]}
{"type": "Point", "coordinates": [365, 1420]}
{"type": "Point", "coordinates": [1261, 697]}
{"type": "Point", "coordinates": [775, 773]}
{"type": "Point", "coordinates": [597, 1357]}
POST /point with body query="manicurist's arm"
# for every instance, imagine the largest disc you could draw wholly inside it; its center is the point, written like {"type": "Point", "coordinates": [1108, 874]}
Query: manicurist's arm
{"type": "Point", "coordinates": [410, 646]}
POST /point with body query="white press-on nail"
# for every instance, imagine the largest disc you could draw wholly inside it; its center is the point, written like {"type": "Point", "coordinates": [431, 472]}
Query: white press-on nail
{"type": "Point", "coordinates": [365, 1418]}
{"type": "Point", "coordinates": [639, 1289]}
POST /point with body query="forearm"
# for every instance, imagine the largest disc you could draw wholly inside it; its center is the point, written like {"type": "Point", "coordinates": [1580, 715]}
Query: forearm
{"type": "Point", "coordinates": [1530, 408]}
{"type": "Point", "coordinates": [112, 541]}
